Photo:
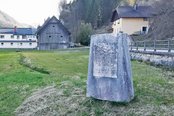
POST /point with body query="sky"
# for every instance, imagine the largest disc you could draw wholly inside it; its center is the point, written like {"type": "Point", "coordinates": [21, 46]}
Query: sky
{"type": "Point", "coordinates": [32, 12]}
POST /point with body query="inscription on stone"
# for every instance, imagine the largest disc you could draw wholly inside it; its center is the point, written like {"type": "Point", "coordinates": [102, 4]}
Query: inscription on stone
{"type": "Point", "coordinates": [105, 60]}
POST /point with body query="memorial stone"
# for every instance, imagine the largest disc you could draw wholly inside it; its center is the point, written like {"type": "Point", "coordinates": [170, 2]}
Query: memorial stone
{"type": "Point", "coordinates": [109, 69]}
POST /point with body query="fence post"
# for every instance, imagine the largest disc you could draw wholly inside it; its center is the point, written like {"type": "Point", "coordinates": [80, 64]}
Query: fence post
{"type": "Point", "coordinates": [154, 45]}
{"type": "Point", "coordinates": [131, 45]}
{"type": "Point", "coordinates": [144, 45]}
{"type": "Point", "coordinates": [169, 49]}
{"type": "Point", "coordinates": [137, 46]}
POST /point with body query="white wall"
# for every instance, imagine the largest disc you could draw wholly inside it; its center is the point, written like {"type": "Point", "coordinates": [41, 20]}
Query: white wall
{"type": "Point", "coordinates": [24, 45]}
{"type": "Point", "coordinates": [29, 42]}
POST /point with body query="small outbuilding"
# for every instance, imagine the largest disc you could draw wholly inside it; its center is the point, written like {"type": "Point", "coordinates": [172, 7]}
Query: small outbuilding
{"type": "Point", "coordinates": [53, 35]}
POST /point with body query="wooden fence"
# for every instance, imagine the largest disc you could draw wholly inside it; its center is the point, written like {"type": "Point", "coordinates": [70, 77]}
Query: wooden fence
{"type": "Point", "coordinates": [155, 45]}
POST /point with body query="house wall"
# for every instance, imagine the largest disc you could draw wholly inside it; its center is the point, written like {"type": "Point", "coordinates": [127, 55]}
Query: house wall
{"type": "Point", "coordinates": [117, 26]}
{"type": "Point", "coordinates": [29, 42]}
{"type": "Point", "coordinates": [20, 45]}
{"type": "Point", "coordinates": [130, 25]}
{"type": "Point", "coordinates": [53, 37]}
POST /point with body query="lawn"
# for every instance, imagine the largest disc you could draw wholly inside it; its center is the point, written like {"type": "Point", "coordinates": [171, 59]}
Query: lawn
{"type": "Point", "coordinates": [64, 73]}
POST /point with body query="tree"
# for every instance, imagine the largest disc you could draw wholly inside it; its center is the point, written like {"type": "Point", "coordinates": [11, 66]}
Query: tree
{"type": "Point", "coordinates": [162, 26]}
{"type": "Point", "coordinates": [62, 5]}
{"type": "Point", "coordinates": [84, 33]}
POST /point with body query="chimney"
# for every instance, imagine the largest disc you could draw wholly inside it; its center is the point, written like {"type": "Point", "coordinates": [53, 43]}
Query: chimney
{"type": "Point", "coordinates": [135, 6]}
{"type": "Point", "coordinates": [15, 29]}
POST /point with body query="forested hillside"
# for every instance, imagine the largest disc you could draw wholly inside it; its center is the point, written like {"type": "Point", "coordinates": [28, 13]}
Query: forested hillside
{"type": "Point", "coordinates": [162, 24]}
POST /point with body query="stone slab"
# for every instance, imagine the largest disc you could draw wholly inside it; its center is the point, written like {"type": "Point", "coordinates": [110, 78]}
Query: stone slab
{"type": "Point", "coordinates": [109, 69]}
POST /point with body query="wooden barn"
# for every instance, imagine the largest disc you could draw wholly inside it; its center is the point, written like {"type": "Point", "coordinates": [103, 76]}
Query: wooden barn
{"type": "Point", "coordinates": [53, 35]}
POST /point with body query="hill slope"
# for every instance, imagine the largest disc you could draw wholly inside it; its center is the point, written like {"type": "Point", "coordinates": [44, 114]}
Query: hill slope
{"type": "Point", "coordinates": [8, 21]}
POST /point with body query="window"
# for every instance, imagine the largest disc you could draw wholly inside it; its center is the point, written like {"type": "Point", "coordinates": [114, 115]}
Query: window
{"type": "Point", "coordinates": [61, 36]}
{"type": "Point", "coordinates": [18, 36]}
{"type": "Point", "coordinates": [2, 44]}
{"type": "Point", "coordinates": [30, 44]}
{"type": "Point", "coordinates": [21, 44]}
{"type": "Point", "coordinates": [12, 36]}
{"type": "Point", "coordinates": [144, 30]}
{"type": "Point", "coordinates": [2, 36]}
{"type": "Point", "coordinates": [24, 36]}
{"type": "Point", "coordinates": [50, 36]}
{"type": "Point", "coordinates": [53, 26]}
{"type": "Point", "coordinates": [11, 44]}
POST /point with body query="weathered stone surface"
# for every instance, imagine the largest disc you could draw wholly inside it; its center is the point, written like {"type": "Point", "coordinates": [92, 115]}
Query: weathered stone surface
{"type": "Point", "coordinates": [109, 70]}
{"type": "Point", "coordinates": [105, 59]}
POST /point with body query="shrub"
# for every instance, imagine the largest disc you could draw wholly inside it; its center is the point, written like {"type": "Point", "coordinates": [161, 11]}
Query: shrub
{"type": "Point", "coordinates": [84, 33]}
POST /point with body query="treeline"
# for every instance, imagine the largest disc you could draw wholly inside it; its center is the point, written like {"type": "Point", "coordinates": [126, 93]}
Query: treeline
{"type": "Point", "coordinates": [80, 14]}
{"type": "Point", "coordinates": [162, 23]}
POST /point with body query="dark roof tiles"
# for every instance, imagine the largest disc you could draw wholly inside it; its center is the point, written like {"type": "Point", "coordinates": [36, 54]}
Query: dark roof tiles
{"type": "Point", "coordinates": [132, 12]}
{"type": "Point", "coordinates": [18, 31]}
{"type": "Point", "coordinates": [140, 11]}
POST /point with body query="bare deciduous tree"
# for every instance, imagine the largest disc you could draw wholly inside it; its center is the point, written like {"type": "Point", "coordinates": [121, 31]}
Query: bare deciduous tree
{"type": "Point", "coordinates": [162, 24]}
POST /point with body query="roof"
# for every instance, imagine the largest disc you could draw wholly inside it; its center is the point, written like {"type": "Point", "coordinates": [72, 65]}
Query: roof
{"type": "Point", "coordinates": [132, 12]}
{"type": "Point", "coordinates": [18, 31]}
{"type": "Point", "coordinates": [40, 28]}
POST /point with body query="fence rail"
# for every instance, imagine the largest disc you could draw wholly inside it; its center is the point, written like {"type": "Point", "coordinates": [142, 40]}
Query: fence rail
{"type": "Point", "coordinates": [155, 45]}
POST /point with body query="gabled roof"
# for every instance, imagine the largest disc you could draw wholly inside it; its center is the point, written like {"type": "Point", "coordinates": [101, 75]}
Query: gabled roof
{"type": "Point", "coordinates": [18, 31]}
{"type": "Point", "coordinates": [48, 21]}
{"type": "Point", "coordinates": [132, 12]}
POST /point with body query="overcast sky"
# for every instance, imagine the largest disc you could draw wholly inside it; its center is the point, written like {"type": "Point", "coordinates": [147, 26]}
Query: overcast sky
{"type": "Point", "coordinates": [32, 12]}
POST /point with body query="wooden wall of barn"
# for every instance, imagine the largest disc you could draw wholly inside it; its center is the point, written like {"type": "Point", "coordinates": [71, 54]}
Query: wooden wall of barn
{"type": "Point", "coordinates": [53, 36]}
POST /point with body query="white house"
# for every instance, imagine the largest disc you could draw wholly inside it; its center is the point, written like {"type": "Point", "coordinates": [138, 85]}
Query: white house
{"type": "Point", "coordinates": [22, 38]}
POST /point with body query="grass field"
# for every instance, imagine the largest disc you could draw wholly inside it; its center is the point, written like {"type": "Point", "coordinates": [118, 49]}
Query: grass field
{"type": "Point", "coordinates": [22, 74]}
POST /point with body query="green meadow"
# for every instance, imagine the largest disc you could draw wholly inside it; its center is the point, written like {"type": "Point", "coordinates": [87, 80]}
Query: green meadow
{"type": "Point", "coordinates": [23, 73]}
